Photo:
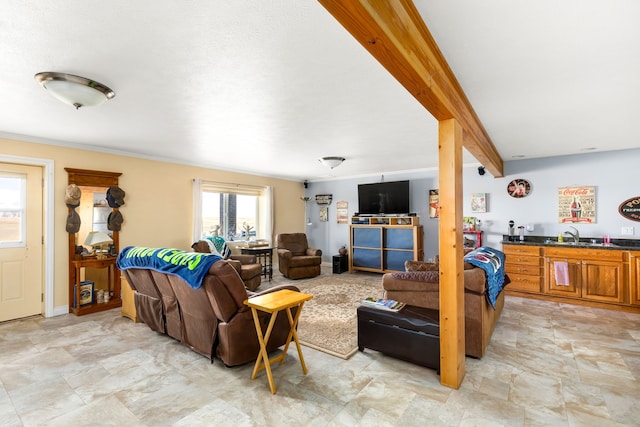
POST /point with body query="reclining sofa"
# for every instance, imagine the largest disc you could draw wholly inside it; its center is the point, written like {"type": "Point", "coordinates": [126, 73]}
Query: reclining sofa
{"type": "Point", "coordinates": [420, 286]}
{"type": "Point", "coordinates": [212, 320]}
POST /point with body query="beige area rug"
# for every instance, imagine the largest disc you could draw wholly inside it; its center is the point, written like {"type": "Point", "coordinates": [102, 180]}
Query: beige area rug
{"type": "Point", "coordinates": [329, 321]}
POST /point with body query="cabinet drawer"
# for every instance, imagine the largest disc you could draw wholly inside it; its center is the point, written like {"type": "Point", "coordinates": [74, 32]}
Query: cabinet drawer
{"type": "Point", "coordinates": [524, 283]}
{"type": "Point", "coordinates": [522, 260]}
{"type": "Point", "coordinates": [521, 250]}
{"type": "Point", "coordinates": [529, 270]}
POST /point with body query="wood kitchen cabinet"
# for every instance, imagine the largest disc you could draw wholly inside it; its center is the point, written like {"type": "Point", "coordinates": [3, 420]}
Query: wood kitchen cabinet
{"type": "Point", "coordinates": [573, 288]}
{"type": "Point", "coordinates": [634, 277]}
{"type": "Point", "coordinates": [594, 274]}
{"type": "Point", "coordinates": [598, 277]}
{"type": "Point", "coordinates": [523, 265]}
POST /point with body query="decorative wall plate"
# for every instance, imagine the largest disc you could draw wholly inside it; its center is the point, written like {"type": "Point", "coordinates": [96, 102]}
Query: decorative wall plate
{"type": "Point", "coordinates": [519, 188]}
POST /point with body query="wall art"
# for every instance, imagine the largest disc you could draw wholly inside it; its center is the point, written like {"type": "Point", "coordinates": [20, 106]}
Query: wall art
{"type": "Point", "coordinates": [519, 188]}
{"type": "Point", "coordinates": [324, 214]}
{"type": "Point", "coordinates": [342, 212]}
{"type": "Point", "coordinates": [478, 202]}
{"type": "Point", "coordinates": [630, 209]}
{"type": "Point", "coordinates": [577, 205]}
{"type": "Point", "coordinates": [434, 207]}
{"type": "Point", "coordinates": [324, 199]}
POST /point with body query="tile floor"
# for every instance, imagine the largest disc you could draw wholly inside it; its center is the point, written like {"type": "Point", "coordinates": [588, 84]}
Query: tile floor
{"type": "Point", "coordinates": [548, 364]}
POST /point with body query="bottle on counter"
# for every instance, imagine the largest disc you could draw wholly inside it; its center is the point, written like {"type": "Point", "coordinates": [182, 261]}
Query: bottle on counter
{"type": "Point", "coordinates": [560, 239]}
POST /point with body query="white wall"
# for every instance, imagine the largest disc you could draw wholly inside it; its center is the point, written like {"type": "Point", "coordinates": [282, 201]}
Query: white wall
{"type": "Point", "coordinates": [612, 173]}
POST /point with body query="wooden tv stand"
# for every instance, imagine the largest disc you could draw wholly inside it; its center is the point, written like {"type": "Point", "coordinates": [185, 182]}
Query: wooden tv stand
{"type": "Point", "coordinates": [383, 243]}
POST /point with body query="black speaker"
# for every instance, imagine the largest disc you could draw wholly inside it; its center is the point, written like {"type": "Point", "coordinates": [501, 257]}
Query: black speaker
{"type": "Point", "coordinates": [340, 264]}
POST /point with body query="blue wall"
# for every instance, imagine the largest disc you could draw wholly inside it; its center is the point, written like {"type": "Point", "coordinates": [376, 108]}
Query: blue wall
{"type": "Point", "coordinates": [613, 174]}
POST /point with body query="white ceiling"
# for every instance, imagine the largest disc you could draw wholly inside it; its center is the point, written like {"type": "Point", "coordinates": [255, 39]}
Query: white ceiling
{"type": "Point", "coordinates": [268, 87]}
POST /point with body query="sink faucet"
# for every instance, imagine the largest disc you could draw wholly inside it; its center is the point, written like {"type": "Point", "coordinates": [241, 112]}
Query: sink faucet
{"type": "Point", "coordinates": [576, 235]}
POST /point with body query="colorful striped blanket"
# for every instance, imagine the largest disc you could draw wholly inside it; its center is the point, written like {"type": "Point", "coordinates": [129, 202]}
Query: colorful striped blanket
{"type": "Point", "coordinates": [492, 262]}
{"type": "Point", "coordinates": [190, 266]}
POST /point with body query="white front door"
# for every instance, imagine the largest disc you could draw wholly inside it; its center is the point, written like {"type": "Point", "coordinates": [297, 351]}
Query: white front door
{"type": "Point", "coordinates": [21, 255]}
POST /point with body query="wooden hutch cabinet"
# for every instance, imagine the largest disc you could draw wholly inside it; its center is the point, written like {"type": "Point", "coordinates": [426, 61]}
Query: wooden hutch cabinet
{"type": "Point", "coordinates": [91, 182]}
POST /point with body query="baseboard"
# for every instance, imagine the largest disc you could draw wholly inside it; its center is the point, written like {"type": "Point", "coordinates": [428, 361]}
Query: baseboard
{"type": "Point", "coordinates": [59, 311]}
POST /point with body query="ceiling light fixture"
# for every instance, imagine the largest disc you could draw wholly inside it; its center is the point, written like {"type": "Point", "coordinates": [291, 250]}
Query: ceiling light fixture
{"type": "Point", "coordinates": [332, 161]}
{"type": "Point", "coordinates": [74, 90]}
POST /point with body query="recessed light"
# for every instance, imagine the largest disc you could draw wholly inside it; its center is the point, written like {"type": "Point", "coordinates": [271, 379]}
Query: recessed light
{"type": "Point", "coordinates": [588, 149]}
{"type": "Point", "coordinates": [518, 156]}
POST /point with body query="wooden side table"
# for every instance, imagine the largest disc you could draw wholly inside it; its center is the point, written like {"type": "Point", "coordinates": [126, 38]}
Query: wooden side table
{"type": "Point", "coordinates": [128, 301]}
{"type": "Point", "coordinates": [264, 255]}
{"type": "Point", "coordinates": [273, 303]}
{"type": "Point", "coordinates": [113, 285]}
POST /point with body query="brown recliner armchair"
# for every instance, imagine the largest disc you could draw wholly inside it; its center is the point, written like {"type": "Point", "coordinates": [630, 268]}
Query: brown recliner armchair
{"type": "Point", "coordinates": [296, 260]}
{"type": "Point", "coordinates": [249, 268]}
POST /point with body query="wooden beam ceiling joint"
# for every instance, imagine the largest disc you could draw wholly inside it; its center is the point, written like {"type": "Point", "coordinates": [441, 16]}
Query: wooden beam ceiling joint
{"type": "Point", "coordinates": [395, 34]}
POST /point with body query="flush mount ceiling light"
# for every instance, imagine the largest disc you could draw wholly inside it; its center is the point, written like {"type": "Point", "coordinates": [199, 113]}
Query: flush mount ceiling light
{"type": "Point", "coordinates": [331, 162]}
{"type": "Point", "coordinates": [74, 90]}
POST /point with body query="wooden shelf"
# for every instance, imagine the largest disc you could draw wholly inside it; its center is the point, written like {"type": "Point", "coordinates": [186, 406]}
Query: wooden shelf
{"type": "Point", "coordinates": [104, 180]}
{"type": "Point", "coordinates": [385, 220]}
{"type": "Point", "coordinates": [113, 286]}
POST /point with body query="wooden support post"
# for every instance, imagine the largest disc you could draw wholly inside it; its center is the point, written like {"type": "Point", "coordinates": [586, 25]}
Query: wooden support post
{"type": "Point", "coordinates": [452, 351]}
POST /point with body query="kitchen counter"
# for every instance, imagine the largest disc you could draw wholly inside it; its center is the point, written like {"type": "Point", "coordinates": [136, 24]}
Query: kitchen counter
{"type": "Point", "coordinates": [585, 243]}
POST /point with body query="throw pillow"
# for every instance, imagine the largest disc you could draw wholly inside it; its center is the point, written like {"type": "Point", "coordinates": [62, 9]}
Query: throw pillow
{"type": "Point", "coordinates": [420, 266]}
{"type": "Point", "coordinates": [418, 276]}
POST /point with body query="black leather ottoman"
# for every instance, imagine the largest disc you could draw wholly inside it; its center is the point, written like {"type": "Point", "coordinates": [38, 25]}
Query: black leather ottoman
{"type": "Point", "coordinates": [412, 334]}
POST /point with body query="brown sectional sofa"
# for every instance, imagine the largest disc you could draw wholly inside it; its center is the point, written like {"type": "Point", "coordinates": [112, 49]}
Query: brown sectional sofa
{"type": "Point", "coordinates": [421, 289]}
{"type": "Point", "coordinates": [211, 320]}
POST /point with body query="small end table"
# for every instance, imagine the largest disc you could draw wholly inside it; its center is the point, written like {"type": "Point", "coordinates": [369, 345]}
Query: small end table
{"type": "Point", "coordinates": [273, 303]}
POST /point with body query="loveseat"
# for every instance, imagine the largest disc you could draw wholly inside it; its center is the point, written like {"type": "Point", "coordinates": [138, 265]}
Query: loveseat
{"type": "Point", "coordinates": [210, 318]}
{"type": "Point", "coordinates": [420, 287]}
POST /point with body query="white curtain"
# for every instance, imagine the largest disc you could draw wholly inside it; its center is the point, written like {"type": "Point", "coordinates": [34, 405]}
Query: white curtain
{"type": "Point", "coordinates": [197, 209]}
{"type": "Point", "coordinates": [267, 220]}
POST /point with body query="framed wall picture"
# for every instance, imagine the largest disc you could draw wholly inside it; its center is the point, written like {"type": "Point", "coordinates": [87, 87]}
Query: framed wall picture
{"type": "Point", "coordinates": [342, 212]}
{"type": "Point", "coordinates": [519, 188]}
{"type": "Point", "coordinates": [577, 205]}
{"type": "Point", "coordinates": [478, 202]}
{"type": "Point", "coordinates": [434, 207]}
{"type": "Point", "coordinates": [324, 213]}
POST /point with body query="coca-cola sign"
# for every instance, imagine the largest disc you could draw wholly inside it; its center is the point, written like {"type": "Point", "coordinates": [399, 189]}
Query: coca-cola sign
{"type": "Point", "coordinates": [630, 209]}
{"type": "Point", "coordinates": [577, 205]}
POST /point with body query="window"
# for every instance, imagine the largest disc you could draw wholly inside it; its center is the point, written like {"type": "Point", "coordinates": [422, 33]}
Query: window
{"type": "Point", "coordinates": [12, 210]}
{"type": "Point", "coordinates": [235, 212]}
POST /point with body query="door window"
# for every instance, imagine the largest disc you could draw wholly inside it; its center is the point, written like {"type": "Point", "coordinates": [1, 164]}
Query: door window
{"type": "Point", "coordinates": [12, 210]}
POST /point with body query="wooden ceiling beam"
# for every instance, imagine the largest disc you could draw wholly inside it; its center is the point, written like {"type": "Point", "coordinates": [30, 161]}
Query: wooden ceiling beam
{"type": "Point", "coordinates": [395, 34]}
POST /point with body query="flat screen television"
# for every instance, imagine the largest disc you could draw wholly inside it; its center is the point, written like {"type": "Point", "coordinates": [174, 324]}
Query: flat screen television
{"type": "Point", "coordinates": [384, 198]}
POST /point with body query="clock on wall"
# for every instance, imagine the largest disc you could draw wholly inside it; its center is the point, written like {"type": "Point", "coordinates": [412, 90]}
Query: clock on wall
{"type": "Point", "coordinates": [519, 188]}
